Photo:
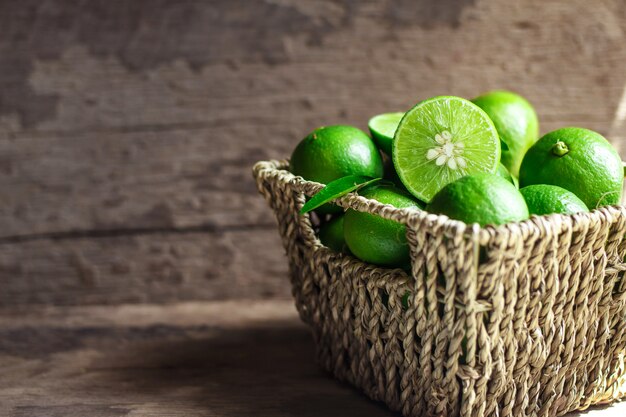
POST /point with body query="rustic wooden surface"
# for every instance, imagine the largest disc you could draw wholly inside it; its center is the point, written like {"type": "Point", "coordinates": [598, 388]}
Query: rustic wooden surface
{"type": "Point", "coordinates": [128, 127]}
{"type": "Point", "coordinates": [218, 359]}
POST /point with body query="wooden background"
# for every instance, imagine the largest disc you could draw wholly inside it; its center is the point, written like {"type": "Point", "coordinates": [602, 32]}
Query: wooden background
{"type": "Point", "coordinates": [128, 128]}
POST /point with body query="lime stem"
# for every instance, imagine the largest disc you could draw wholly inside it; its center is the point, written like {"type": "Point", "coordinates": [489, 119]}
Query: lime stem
{"type": "Point", "coordinates": [560, 148]}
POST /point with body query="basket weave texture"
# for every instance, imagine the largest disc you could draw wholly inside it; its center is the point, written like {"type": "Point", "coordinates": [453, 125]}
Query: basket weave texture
{"type": "Point", "coordinates": [525, 319]}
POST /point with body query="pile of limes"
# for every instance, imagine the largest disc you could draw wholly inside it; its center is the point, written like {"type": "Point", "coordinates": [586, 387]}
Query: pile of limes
{"type": "Point", "coordinates": [477, 161]}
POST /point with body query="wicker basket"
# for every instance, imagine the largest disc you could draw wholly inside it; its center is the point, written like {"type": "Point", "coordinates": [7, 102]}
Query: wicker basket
{"type": "Point", "coordinates": [525, 319]}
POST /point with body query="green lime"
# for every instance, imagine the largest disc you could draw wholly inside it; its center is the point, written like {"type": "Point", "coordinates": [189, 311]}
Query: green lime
{"type": "Point", "coordinates": [383, 127]}
{"type": "Point", "coordinates": [374, 239]}
{"type": "Point", "coordinates": [547, 199]}
{"type": "Point", "coordinates": [579, 160]}
{"type": "Point", "coordinates": [481, 198]}
{"type": "Point", "coordinates": [441, 140]}
{"type": "Point", "coordinates": [501, 171]}
{"type": "Point", "coordinates": [333, 152]}
{"type": "Point", "coordinates": [331, 234]}
{"type": "Point", "coordinates": [516, 122]}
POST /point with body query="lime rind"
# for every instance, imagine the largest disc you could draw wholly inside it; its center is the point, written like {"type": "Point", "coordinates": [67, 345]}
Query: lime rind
{"type": "Point", "coordinates": [441, 140]}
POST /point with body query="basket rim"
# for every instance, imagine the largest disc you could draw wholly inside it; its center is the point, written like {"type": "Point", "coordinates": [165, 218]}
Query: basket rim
{"type": "Point", "coordinates": [540, 225]}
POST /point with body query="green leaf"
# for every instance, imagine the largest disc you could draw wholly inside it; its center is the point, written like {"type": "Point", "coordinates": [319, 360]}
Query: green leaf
{"type": "Point", "coordinates": [336, 189]}
{"type": "Point", "coordinates": [503, 145]}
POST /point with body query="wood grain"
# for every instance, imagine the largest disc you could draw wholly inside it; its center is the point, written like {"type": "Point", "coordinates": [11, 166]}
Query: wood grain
{"type": "Point", "coordinates": [171, 179]}
{"type": "Point", "coordinates": [136, 117]}
{"type": "Point", "coordinates": [219, 359]}
{"type": "Point", "coordinates": [152, 267]}
{"type": "Point", "coordinates": [185, 360]}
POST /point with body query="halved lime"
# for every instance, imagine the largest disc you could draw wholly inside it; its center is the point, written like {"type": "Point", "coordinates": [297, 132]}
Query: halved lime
{"type": "Point", "coordinates": [383, 127]}
{"type": "Point", "coordinates": [441, 140]}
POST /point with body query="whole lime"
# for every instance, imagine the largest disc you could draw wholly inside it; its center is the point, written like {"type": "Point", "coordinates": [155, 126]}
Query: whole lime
{"type": "Point", "coordinates": [516, 122]}
{"type": "Point", "coordinates": [374, 239]}
{"type": "Point", "coordinates": [332, 152]}
{"type": "Point", "coordinates": [579, 160]}
{"type": "Point", "coordinates": [501, 171]}
{"type": "Point", "coordinates": [331, 234]}
{"type": "Point", "coordinates": [481, 198]}
{"type": "Point", "coordinates": [547, 199]}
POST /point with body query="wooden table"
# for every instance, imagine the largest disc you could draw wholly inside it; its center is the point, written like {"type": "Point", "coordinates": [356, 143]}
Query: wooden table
{"type": "Point", "coordinates": [236, 358]}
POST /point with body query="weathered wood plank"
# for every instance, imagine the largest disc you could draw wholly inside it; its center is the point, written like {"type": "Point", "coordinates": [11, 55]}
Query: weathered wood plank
{"type": "Point", "coordinates": [165, 180]}
{"type": "Point", "coordinates": [221, 359]}
{"type": "Point", "coordinates": [142, 116]}
{"type": "Point", "coordinates": [145, 268]}
{"type": "Point", "coordinates": [130, 62]}
{"type": "Point", "coordinates": [164, 137]}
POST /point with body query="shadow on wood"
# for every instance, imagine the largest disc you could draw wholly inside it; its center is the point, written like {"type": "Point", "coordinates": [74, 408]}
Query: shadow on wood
{"type": "Point", "coordinates": [190, 359]}
{"type": "Point", "coordinates": [191, 370]}
{"type": "Point", "coordinates": [267, 371]}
